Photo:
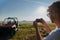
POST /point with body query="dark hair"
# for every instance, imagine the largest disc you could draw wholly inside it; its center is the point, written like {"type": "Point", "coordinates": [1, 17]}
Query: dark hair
{"type": "Point", "coordinates": [55, 6]}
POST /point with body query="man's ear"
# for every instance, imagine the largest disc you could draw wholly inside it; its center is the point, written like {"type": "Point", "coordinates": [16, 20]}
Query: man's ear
{"type": "Point", "coordinates": [56, 16]}
{"type": "Point", "coordinates": [54, 13]}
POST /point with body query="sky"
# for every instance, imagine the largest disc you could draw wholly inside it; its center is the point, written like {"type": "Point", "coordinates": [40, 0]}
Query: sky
{"type": "Point", "coordinates": [25, 9]}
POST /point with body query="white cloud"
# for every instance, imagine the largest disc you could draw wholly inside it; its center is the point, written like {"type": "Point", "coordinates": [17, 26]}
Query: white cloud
{"type": "Point", "coordinates": [41, 12]}
{"type": "Point", "coordinates": [41, 9]}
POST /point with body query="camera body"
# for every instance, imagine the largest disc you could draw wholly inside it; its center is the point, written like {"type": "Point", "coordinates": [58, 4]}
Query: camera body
{"type": "Point", "coordinates": [38, 20]}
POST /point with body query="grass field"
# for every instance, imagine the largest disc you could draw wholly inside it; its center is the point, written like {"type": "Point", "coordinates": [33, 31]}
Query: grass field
{"type": "Point", "coordinates": [27, 31]}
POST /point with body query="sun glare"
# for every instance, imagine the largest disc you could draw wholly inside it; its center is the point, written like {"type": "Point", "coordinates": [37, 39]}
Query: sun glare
{"type": "Point", "coordinates": [42, 9]}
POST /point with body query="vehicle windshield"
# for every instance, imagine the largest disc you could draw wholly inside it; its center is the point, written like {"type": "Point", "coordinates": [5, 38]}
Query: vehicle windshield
{"type": "Point", "coordinates": [8, 21]}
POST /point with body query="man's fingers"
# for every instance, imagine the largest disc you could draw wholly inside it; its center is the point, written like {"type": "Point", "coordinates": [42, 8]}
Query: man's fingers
{"type": "Point", "coordinates": [34, 23]}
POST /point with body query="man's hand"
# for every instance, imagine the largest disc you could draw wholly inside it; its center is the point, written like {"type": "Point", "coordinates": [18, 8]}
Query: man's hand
{"type": "Point", "coordinates": [41, 20]}
{"type": "Point", "coordinates": [45, 25]}
{"type": "Point", "coordinates": [35, 24]}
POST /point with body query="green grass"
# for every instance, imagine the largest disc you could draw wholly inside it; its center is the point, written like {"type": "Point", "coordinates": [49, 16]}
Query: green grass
{"type": "Point", "coordinates": [27, 31]}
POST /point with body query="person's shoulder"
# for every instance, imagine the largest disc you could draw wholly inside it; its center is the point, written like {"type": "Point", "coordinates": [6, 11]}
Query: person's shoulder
{"type": "Point", "coordinates": [55, 31]}
{"type": "Point", "coordinates": [58, 31]}
{"type": "Point", "coordinates": [55, 34]}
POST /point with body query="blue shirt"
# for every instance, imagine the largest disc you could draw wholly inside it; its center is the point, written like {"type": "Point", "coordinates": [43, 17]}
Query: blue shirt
{"type": "Point", "coordinates": [54, 35]}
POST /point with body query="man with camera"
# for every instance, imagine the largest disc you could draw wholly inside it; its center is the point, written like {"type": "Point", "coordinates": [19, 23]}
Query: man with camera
{"type": "Point", "coordinates": [54, 14]}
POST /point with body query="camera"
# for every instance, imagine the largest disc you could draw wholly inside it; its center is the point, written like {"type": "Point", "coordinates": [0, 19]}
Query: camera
{"type": "Point", "coordinates": [38, 20]}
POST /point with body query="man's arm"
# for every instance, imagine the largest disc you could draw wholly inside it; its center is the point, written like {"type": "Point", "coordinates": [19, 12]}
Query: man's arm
{"type": "Point", "coordinates": [45, 25]}
{"type": "Point", "coordinates": [37, 31]}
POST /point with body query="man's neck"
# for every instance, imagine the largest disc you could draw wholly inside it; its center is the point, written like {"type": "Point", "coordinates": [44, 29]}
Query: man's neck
{"type": "Point", "coordinates": [58, 25]}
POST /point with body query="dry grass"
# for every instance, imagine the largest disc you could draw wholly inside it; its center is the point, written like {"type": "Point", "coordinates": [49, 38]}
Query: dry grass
{"type": "Point", "coordinates": [27, 32]}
